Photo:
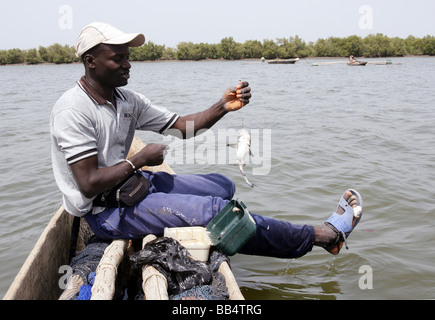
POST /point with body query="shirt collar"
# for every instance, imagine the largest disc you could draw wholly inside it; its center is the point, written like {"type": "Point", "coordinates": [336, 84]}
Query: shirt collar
{"type": "Point", "coordinates": [93, 94]}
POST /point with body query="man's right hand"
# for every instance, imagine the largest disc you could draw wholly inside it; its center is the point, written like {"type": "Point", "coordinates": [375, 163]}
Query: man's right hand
{"type": "Point", "coordinates": [151, 155]}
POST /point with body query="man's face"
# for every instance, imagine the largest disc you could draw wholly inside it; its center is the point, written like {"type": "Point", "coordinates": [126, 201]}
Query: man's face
{"type": "Point", "coordinates": [112, 67]}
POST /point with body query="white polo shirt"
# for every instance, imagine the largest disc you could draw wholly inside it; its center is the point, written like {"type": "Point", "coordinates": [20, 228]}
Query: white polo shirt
{"type": "Point", "coordinates": [83, 124]}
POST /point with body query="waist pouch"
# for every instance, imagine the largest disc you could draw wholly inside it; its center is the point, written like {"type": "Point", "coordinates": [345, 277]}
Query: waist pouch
{"type": "Point", "coordinates": [125, 194]}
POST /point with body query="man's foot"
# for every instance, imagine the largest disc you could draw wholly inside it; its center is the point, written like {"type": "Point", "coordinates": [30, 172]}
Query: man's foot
{"type": "Point", "coordinates": [338, 227]}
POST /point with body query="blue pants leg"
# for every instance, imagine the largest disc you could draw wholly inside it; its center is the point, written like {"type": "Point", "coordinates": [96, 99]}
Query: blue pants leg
{"type": "Point", "coordinates": [172, 201]}
{"type": "Point", "coordinates": [280, 239]}
{"type": "Point", "coordinates": [212, 184]}
{"type": "Point", "coordinates": [193, 200]}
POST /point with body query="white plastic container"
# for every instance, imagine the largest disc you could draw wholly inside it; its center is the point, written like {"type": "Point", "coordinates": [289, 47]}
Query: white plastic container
{"type": "Point", "coordinates": [194, 239]}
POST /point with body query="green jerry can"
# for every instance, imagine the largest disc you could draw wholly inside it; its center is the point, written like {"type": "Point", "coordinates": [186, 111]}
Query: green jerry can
{"type": "Point", "coordinates": [232, 227]}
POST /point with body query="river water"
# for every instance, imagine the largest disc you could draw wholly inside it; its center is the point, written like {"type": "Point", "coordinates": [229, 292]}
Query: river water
{"type": "Point", "coordinates": [316, 131]}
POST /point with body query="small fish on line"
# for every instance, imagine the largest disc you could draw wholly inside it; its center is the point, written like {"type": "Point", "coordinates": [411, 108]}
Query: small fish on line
{"type": "Point", "coordinates": [243, 149]}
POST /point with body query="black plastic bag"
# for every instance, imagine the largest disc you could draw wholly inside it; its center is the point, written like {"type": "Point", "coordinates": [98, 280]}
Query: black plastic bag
{"type": "Point", "coordinates": [173, 260]}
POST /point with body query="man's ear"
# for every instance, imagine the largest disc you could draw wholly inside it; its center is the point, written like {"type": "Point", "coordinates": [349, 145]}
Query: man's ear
{"type": "Point", "coordinates": [89, 61]}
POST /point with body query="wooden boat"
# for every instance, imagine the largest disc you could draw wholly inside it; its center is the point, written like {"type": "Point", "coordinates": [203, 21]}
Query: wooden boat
{"type": "Point", "coordinates": [39, 277]}
{"type": "Point", "coordinates": [281, 61]}
{"type": "Point", "coordinates": [358, 63]}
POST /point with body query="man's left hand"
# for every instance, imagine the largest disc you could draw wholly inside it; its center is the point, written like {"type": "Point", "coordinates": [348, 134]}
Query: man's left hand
{"type": "Point", "coordinates": [236, 98]}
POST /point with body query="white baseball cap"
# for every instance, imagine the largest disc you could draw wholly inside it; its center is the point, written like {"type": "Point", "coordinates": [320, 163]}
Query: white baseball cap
{"type": "Point", "coordinates": [98, 32]}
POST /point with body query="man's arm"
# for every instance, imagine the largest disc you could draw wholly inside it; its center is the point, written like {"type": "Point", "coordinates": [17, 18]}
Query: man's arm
{"type": "Point", "coordinates": [93, 180]}
{"type": "Point", "coordinates": [232, 100]}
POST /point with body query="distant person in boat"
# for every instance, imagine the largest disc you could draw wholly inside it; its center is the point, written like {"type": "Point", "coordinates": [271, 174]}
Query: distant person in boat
{"type": "Point", "coordinates": [92, 126]}
{"type": "Point", "coordinates": [352, 59]}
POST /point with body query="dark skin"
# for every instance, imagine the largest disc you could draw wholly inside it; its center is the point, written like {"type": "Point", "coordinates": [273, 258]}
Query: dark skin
{"type": "Point", "coordinates": [110, 69]}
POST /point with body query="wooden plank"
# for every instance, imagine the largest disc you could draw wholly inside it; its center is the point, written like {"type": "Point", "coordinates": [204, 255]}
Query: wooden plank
{"type": "Point", "coordinates": [230, 281]}
{"type": "Point", "coordinates": [154, 284]}
{"type": "Point", "coordinates": [105, 278]}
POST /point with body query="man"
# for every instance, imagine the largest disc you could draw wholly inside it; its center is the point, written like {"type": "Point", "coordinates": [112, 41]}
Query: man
{"type": "Point", "coordinates": [92, 127]}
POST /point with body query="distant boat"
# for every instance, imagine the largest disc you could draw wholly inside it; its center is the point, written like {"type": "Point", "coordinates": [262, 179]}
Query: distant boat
{"type": "Point", "coordinates": [280, 61]}
{"type": "Point", "coordinates": [358, 63]}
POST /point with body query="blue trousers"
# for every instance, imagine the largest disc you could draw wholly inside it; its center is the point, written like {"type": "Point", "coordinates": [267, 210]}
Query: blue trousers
{"type": "Point", "coordinates": [193, 200]}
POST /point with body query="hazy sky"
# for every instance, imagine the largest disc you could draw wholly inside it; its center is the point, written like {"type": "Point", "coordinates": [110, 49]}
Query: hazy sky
{"type": "Point", "coordinates": [28, 24]}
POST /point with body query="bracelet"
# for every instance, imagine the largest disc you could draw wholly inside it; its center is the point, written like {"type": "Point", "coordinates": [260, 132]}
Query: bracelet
{"type": "Point", "coordinates": [132, 165]}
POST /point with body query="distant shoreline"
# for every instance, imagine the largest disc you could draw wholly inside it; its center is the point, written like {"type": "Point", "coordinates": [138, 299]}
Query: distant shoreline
{"type": "Point", "coordinates": [373, 46]}
{"type": "Point", "coordinates": [220, 59]}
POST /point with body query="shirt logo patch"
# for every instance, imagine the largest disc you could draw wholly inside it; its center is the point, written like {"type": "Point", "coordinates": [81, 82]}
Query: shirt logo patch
{"type": "Point", "coordinates": [128, 116]}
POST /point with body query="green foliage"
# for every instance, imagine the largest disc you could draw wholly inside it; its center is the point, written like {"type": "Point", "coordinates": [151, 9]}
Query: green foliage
{"type": "Point", "coordinates": [353, 45]}
{"type": "Point", "coordinates": [3, 57]}
{"type": "Point", "coordinates": [43, 53]}
{"type": "Point", "coordinates": [270, 49]}
{"type": "Point", "coordinates": [14, 56]}
{"type": "Point", "coordinates": [377, 45]}
{"type": "Point", "coordinates": [252, 49]}
{"type": "Point", "coordinates": [32, 57]}
{"type": "Point", "coordinates": [294, 47]}
{"type": "Point", "coordinates": [191, 51]}
{"type": "Point", "coordinates": [231, 50]}
{"type": "Point", "coordinates": [60, 54]}
{"type": "Point", "coordinates": [429, 45]}
{"type": "Point", "coordinates": [331, 47]}
{"type": "Point", "coordinates": [169, 54]}
{"type": "Point", "coordinates": [149, 51]}
{"type": "Point", "coordinates": [215, 51]}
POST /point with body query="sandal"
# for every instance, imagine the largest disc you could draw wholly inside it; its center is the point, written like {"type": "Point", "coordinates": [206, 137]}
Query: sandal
{"type": "Point", "coordinates": [342, 224]}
